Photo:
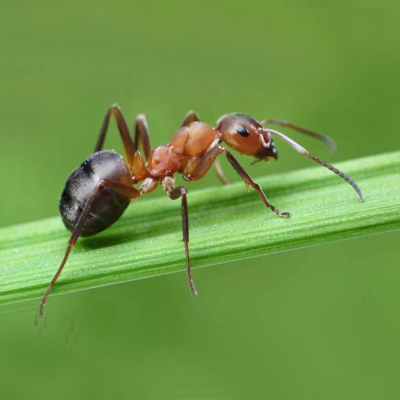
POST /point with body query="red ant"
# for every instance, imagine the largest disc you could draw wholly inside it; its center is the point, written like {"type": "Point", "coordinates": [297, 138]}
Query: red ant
{"type": "Point", "coordinates": [98, 192]}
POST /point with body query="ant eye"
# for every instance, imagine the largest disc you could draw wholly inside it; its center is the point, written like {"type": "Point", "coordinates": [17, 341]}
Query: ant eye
{"type": "Point", "coordinates": [241, 130]}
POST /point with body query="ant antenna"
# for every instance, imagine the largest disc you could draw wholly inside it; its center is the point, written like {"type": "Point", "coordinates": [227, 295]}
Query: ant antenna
{"type": "Point", "coordinates": [304, 152]}
{"type": "Point", "coordinates": [323, 138]}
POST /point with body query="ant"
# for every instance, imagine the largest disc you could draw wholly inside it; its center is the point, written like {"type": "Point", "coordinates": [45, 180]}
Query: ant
{"type": "Point", "coordinates": [98, 191]}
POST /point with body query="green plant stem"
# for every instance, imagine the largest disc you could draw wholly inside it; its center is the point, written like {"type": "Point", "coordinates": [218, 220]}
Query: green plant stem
{"type": "Point", "coordinates": [226, 223]}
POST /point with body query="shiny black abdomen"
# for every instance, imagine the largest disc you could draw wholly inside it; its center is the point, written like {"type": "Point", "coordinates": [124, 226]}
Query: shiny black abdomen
{"type": "Point", "coordinates": [108, 205]}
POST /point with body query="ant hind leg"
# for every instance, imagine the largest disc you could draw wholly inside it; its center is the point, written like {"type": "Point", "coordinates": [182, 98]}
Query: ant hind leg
{"type": "Point", "coordinates": [126, 190]}
{"type": "Point", "coordinates": [129, 145]}
{"type": "Point", "coordinates": [142, 133]}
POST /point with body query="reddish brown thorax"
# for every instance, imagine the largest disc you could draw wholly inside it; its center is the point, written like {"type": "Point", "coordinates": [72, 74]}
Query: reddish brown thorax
{"type": "Point", "coordinates": [193, 140]}
{"type": "Point", "coordinates": [183, 152]}
{"type": "Point", "coordinates": [164, 161]}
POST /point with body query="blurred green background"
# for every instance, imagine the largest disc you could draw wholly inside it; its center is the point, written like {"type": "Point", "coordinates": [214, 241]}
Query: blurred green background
{"type": "Point", "coordinates": [318, 323]}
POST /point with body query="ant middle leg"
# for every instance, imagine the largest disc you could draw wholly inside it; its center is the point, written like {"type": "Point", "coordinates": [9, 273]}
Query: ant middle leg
{"type": "Point", "coordinates": [129, 145]}
{"type": "Point", "coordinates": [175, 193]}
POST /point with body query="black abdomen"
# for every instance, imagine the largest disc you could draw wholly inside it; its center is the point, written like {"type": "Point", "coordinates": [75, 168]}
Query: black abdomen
{"type": "Point", "coordinates": [108, 205]}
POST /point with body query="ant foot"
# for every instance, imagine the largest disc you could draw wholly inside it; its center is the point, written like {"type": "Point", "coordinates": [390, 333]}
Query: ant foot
{"type": "Point", "coordinates": [39, 317]}
{"type": "Point", "coordinates": [282, 213]}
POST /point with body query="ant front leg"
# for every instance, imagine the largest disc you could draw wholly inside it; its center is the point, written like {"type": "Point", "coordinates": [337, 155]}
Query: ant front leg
{"type": "Point", "coordinates": [249, 181]}
{"type": "Point", "coordinates": [121, 188]}
{"type": "Point", "coordinates": [129, 145]}
{"type": "Point", "coordinates": [198, 170]}
{"type": "Point", "coordinates": [174, 194]}
{"type": "Point", "coordinates": [220, 173]}
{"type": "Point", "coordinates": [190, 117]}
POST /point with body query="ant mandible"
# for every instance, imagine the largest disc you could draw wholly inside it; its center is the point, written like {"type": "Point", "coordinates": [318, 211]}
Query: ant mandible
{"type": "Point", "coordinates": [98, 192]}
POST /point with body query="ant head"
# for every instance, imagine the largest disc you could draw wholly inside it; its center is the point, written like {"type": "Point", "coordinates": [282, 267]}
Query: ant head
{"type": "Point", "coordinates": [247, 136]}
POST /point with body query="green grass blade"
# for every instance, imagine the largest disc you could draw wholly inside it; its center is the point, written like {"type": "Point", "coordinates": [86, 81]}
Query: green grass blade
{"type": "Point", "coordinates": [227, 223]}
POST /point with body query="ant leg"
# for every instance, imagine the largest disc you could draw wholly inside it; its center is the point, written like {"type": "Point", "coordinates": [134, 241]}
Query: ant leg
{"type": "Point", "coordinates": [220, 173]}
{"type": "Point", "coordinates": [197, 171]}
{"type": "Point", "coordinates": [174, 194]}
{"type": "Point", "coordinates": [197, 167]}
{"type": "Point", "coordinates": [180, 191]}
{"type": "Point", "coordinates": [249, 181]}
{"type": "Point", "coordinates": [323, 138]}
{"type": "Point", "coordinates": [119, 187]}
{"type": "Point", "coordinates": [129, 145]}
{"type": "Point", "coordinates": [190, 117]}
{"type": "Point", "coordinates": [142, 134]}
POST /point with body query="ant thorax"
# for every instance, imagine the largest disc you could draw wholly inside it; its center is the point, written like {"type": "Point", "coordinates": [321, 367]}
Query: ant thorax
{"type": "Point", "coordinates": [184, 151]}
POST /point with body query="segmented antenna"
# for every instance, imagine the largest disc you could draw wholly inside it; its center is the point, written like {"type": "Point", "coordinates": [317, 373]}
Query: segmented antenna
{"type": "Point", "coordinates": [304, 152]}
{"type": "Point", "coordinates": [338, 172]}
{"type": "Point", "coordinates": [319, 136]}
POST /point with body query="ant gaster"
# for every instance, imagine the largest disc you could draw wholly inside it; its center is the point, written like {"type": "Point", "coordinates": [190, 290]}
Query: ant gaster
{"type": "Point", "coordinates": [98, 192]}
